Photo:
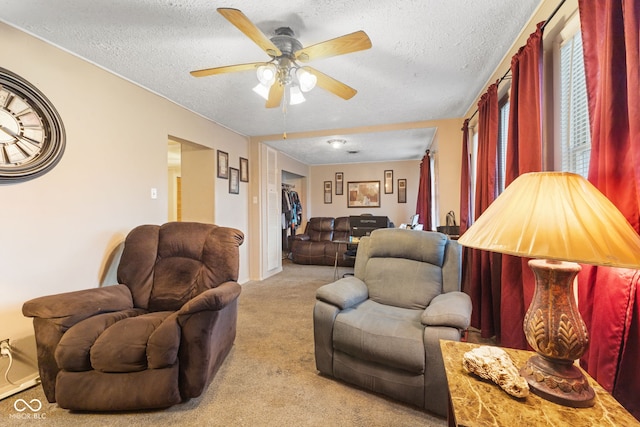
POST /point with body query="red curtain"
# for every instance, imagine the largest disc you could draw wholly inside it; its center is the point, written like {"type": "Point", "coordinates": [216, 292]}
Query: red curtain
{"type": "Point", "coordinates": [524, 154]}
{"type": "Point", "coordinates": [609, 299]}
{"type": "Point", "coordinates": [423, 207]}
{"type": "Point", "coordinates": [483, 281]}
{"type": "Point", "coordinates": [465, 203]}
{"type": "Point", "coordinates": [465, 181]}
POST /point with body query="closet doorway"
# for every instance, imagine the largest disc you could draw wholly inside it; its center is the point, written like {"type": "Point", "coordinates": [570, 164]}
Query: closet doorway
{"type": "Point", "coordinates": [293, 208]}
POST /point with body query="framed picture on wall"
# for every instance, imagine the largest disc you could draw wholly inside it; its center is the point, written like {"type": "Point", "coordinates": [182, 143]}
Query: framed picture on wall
{"type": "Point", "coordinates": [388, 182]}
{"type": "Point", "coordinates": [402, 190]}
{"type": "Point", "coordinates": [244, 169]}
{"type": "Point", "coordinates": [223, 165]}
{"type": "Point", "coordinates": [327, 191]}
{"type": "Point", "coordinates": [234, 181]}
{"type": "Point", "coordinates": [363, 194]}
{"type": "Point", "coordinates": [339, 183]}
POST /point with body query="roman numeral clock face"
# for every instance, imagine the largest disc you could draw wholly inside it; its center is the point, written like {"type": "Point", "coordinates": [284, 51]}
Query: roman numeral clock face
{"type": "Point", "coordinates": [32, 136]}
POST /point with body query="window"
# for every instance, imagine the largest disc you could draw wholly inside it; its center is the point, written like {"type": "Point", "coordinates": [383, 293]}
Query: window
{"type": "Point", "coordinates": [503, 133]}
{"type": "Point", "coordinates": [473, 169]}
{"type": "Point", "coordinates": [574, 113]}
{"type": "Point", "coordinates": [435, 196]}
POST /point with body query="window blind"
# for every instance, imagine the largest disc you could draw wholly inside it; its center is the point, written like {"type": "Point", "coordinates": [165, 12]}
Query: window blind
{"type": "Point", "coordinates": [574, 112]}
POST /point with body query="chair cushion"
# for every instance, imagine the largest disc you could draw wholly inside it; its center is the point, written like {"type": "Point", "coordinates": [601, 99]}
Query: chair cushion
{"type": "Point", "coordinates": [163, 265]}
{"type": "Point", "coordinates": [382, 334]}
{"type": "Point", "coordinates": [72, 352]}
{"type": "Point", "coordinates": [452, 309]}
{"type": "Point", "coordinates": [176, 282]}
{"type": "Point", "coordinates": [402, 282]}
{"type": "Point", "coordinates": [341, 229]}
{"type": "Point", "coordinates": [112, 353]}
{"type": "Point", "coordinates": [424, 246]}
{"type": "Point", "coordinates": [320, 229]}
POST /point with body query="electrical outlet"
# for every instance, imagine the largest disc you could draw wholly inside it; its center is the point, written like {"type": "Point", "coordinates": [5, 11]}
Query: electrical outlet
{"type": "Point", "coordinates": [5, 348]}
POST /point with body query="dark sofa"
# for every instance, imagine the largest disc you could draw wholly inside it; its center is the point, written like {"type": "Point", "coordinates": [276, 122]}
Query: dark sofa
{"type": "Point", "coordinates": [324, 238]}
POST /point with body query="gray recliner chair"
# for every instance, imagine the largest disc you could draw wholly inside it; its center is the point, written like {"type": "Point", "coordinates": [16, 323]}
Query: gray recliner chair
{"type": "Point", "coordinates": [380, 329]}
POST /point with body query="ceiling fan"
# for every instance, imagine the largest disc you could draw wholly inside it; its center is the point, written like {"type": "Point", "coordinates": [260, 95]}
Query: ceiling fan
{"type": "Point", "coordinates": [283, 70]}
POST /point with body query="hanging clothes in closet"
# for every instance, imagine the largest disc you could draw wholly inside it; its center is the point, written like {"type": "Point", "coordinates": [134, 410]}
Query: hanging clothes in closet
{"type": "Point", "coordinates": [291, 214]}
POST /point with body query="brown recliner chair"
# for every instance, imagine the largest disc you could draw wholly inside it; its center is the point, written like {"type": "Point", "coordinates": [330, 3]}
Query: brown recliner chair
{"type": "Point", "coordinates": [152, 341]}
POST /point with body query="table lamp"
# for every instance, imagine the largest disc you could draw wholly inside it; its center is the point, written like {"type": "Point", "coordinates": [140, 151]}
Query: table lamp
{"type": "Point", "coordinates": [560, 219]}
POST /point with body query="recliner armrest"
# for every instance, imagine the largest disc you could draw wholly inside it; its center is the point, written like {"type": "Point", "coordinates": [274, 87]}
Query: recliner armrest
{"type": "Point", "coordinates": [212, 299]}
{"type": "Point", "coordinates": [71, 307]}
{"type": "Point", "coordinates": [449, 309]}
{"type": "Point", "coordinates": [343, 293]}
{"type": "Point", "coordinates": [301, 237]}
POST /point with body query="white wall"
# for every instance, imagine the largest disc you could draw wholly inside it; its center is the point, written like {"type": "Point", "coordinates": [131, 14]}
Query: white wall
{"type": "Point", "coordinates": [397, 212]}
{"type": "Point", "coordinates": [59, 230]}
{"type": "Point", "coordinates": [447, 146]}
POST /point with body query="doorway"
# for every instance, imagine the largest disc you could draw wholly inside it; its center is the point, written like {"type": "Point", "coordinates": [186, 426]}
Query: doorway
{"type": "Point", "coordinates": [293, 197]}
{"type": "Point", "coordinates": [174, 163]}
{"type": "Point", "coordinates": [191, 186]}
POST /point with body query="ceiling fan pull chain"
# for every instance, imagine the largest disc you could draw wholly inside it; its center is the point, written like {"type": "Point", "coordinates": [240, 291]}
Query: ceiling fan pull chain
{"type": "Point", "coordinates": [284, 119]}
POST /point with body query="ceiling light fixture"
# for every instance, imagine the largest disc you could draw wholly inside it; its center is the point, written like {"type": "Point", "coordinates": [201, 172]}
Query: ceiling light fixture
{"type": "Point", "coordinates": [267, 74]}
{"type": "Point", "coordinates": [306, 80]}
{"type": "Point", "coordinates": [337, 143]}
{"type": "Point", "coordinates": [282, 72]}
{"type": "Point", "coordinates": [262, 90]}
{"type": "Point", "coordinates": [288, 74]}
{"type": "Point", "coordinates": [285, 71]}
{"type": "Point", "coordinates": [295, 95]}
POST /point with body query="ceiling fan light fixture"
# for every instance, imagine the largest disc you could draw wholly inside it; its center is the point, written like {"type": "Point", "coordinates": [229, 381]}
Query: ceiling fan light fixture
{"type": "Point", "coordinates": [262, 90]}
{"type": "Point", "coordinates": [267, 74]}
{"type": "Point", "coordinates": [283, 70]}
{"type": "Point", "coordinates": [295, 96]}
{"type": "Point", "coordinates": [306, 80]}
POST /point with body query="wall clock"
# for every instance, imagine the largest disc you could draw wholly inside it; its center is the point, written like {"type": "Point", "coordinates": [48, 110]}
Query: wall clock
{"type": "Point", "coordinates": [32, 137]}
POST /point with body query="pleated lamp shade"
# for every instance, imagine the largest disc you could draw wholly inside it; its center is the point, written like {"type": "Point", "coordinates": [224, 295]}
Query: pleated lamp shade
{"type": "Point", "coordinates": [558, 216]}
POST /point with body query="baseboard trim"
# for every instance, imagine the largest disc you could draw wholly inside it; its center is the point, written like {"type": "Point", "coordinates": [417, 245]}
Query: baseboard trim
{"type": "Point", "coordinates": [10, 390]}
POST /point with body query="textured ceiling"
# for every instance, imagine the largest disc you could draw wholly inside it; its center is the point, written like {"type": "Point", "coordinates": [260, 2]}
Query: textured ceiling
{"type": "Point", "coordinates": [430, 59]}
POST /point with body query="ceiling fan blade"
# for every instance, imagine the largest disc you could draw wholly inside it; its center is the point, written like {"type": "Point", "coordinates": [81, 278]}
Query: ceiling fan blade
{"type": "Point", "coordinates": [349, 43]}
{"type": "Point", "coordinates": [226, 69]}
{"type": "Point", "coordinates": [332, 85]}
{"type": "Point", "coordinates": [249, 29]}
{"type": "Point", "coordinates": [275, 95]}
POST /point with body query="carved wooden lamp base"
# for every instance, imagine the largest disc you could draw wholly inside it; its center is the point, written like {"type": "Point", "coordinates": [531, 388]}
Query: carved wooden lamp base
{"type": "Point", "coordinates": [558, 382]}
{"type": "Point", "coordinates": [555, 330]}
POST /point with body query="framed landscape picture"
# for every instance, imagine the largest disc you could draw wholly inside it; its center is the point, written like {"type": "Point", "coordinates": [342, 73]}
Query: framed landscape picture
{"type": "Point", "coordinates": [363, 194]}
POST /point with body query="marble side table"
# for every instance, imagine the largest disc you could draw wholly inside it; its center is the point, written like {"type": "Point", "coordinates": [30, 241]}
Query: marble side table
{"type": "Point", "coordinates": [477, 402]}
